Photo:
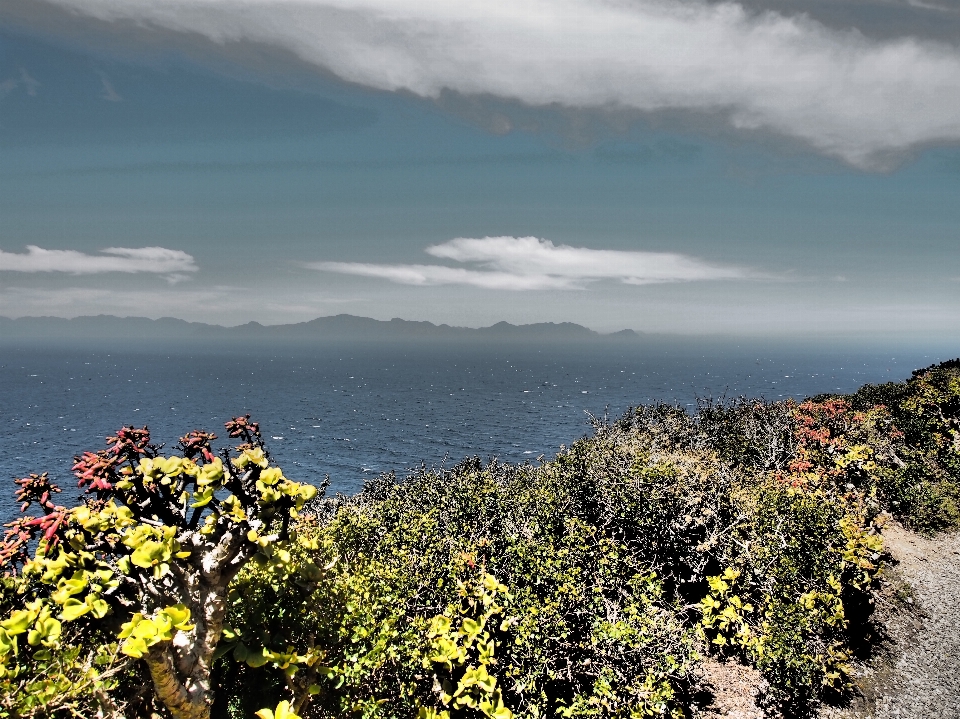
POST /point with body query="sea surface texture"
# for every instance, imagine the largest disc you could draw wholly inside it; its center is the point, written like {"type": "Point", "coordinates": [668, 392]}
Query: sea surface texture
{"type": "Point", "coordinates": [351, 412]}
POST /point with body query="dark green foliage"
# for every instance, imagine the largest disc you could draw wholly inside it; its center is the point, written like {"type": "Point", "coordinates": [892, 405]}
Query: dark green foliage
{"type": "Point", "coordinates": [749, 433]}
{"type": "Point", "coordinates": [595, 584]}
{"type": "Point", "coordinates": [607, 552]}
{"type": "Point", "coordinates": [811, 568]}
{"type": "Point", "coordinates": [576, 541]}
{"type": "Point", "coordinates": [921, 487]}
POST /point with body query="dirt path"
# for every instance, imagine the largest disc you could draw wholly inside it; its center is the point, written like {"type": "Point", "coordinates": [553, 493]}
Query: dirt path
{"type": "Point", "coordinates": [916, 675]}
{"type": "Point", "coordinates": [921, 676]}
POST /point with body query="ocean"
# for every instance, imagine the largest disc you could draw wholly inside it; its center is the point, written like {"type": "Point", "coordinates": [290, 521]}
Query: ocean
{"type": "Point", "coordinates": [353, 411]}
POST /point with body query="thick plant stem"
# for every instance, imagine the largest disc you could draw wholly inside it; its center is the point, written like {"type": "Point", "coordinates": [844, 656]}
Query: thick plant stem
{"type": "Point", "coordinates": [183, 704]}
{"type": "Point", "coordinates": [158, 545]}
{"type": "Point", "coordinates": [180, 669]}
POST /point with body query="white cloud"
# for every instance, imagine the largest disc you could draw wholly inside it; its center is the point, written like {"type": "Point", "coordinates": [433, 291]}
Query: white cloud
{"type": "Point", "coordinates": [441, 275]}
{"type": "Point", "coordinates": [154, 260]}
{"type": "Point", "coordinates": [529, 263]}
{"type": "Point", "coordinates": [29, 83]}
{"type": "Point", "coordinates": [108, 92]}
{"type": "Point", "coordinates": [846, 95]}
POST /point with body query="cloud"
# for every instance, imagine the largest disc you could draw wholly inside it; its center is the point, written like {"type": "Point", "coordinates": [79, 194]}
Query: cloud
{"type": "Point", "coordinates": [107, 91]}
{"type": "Point", "coordinates": [441, 275]}
{"type": "Point", "coordinates": [154, 260]}
{"type": "Point", "coordinates": [846, 95]}
{"type": "Point", "coordinates": [29, 83]}
{"type": "Point", "coordinates": [529, 263]}
{"type": "Point", "coordinates": [6, 87]}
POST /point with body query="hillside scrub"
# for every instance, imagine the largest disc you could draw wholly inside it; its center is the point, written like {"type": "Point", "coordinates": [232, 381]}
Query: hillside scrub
{"type": "Point", "coordinates": [593, 584]}
{"type": "Point", "coordinates": [137, 576]}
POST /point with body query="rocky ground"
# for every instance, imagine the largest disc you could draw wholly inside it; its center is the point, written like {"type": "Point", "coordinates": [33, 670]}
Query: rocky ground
{"type": "Point", "coordinates": [917, 673]}
{"type": "Point", "coordinates": [915, 670]}
{"type": "Point", "coordinates": [734, 689]}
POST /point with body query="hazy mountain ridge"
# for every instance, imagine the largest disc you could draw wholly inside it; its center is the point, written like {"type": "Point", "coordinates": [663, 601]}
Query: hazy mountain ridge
{"type": "Point", "coordinates": [335, 327]}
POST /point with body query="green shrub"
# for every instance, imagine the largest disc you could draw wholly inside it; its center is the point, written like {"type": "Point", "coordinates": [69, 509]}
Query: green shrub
{"type": "Point", "coordinates": [919, 483]}
{"type": "Point", "coordinates": [590, 585]}
{"type": "Point", "coordinates": [611, 552]}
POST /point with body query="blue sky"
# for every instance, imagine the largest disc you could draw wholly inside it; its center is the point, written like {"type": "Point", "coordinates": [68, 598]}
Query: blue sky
{"type": "Point", "coordinates": [671, 167]}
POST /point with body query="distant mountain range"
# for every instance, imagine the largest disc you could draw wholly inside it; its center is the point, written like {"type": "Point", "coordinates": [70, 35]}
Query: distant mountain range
{"type": "Point", "coordinates": [333, 328]}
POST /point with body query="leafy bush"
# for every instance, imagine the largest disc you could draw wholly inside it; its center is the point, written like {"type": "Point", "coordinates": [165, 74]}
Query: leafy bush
{"type": "Point", "coordinates": [920, 484]}
{"type": "Point", "coordinates": [590, 585]}
{"type": "Point", "coordinates": [627, 558]}
{"type": "Point", "coordinates": [137, 572]}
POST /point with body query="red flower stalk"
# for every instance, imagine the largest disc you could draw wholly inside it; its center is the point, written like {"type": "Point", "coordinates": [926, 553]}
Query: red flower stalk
{"type": "Point", "coordinates": [197, 442]}
{"type": "Point", "coordinates": [243, 427]}
{"type": "Point", "coordinates": [96, 469]}
{"type": "Point", "coordinates": [130, 442]}
{"type": "Point", "coordinates": [36, 488]}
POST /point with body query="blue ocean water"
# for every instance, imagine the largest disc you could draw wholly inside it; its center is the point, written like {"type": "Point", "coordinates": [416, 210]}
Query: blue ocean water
{"type": "Point", "coordinates": [354, 411]}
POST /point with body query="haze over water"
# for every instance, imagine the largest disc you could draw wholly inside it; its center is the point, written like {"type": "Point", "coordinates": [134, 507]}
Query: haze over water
{"type": "Point", "coordinates": [235, 162]}
{"type": "Point", "coordinates": [354, 411]}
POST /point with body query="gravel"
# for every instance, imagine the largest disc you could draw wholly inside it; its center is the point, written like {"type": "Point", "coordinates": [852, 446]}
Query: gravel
{"type": "Point", "coordinates": [734, 688]}
{"type": "Point", "coordinates": [921, 677]}
{"type": "Point", "coordinates": [916, 674]}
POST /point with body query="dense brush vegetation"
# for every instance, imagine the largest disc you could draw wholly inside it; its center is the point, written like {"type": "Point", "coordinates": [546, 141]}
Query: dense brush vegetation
{"type": "Point", "coordinates": [592, 584]}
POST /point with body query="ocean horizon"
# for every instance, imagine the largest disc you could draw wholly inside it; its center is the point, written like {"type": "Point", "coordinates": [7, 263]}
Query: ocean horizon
{"type": "Point", "coordinates": [351, 411]}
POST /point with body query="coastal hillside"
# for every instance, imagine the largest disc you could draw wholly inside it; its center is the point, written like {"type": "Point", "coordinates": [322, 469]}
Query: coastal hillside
{"type": "Point", "coordinates": [624, 577]}
{"type": "Point", "coordinates": [337, 328]}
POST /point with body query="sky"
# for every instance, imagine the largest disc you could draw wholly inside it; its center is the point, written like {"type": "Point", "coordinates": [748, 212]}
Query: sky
{"type": "Point", "coordinates": [779, 168]}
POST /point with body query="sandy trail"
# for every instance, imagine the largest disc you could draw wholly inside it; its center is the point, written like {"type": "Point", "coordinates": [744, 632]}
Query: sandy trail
{"type": "Point", "coordinates": [916, 675]}
{"type": "Point", "coordinates": [924, 679]}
